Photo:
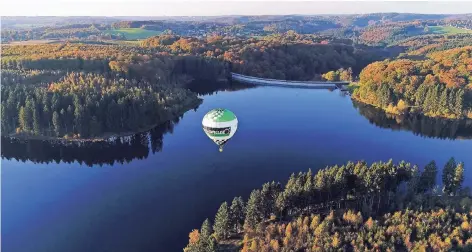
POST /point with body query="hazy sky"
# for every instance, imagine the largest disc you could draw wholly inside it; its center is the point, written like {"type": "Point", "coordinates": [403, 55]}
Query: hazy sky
{"type": "Point", "coordinates": [202, 8]}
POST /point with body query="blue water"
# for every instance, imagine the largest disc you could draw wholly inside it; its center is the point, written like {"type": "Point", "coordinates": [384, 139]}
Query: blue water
{"type": "Point", "coordinates": [152, 202]}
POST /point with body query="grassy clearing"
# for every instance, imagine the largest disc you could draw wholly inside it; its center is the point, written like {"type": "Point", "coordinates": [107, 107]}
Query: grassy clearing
{"type": "Point", "coordinates": [447, 30]}
{"type": "Point", "coordinates": [134, 33]}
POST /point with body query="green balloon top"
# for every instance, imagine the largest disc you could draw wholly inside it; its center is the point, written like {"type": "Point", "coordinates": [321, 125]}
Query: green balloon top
{"type": "Point", "coordinates": [220, 115]}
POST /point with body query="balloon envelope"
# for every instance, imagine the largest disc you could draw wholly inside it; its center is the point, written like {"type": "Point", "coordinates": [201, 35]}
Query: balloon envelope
{"type": "Point", "coordinates": [220, 125]}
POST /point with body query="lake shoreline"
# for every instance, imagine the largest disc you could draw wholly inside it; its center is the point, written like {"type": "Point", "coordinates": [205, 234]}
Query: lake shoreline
{"type": "Point", "coordinates": [105, 137]}
{"type": "Point", "coordinates": [408, 112]}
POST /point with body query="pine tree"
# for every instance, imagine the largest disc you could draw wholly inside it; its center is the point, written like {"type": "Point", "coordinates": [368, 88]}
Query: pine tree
{"type": "Point", "coordinates": [237, 214]}
{"type": "Point", "coordinates": [269, 194]}
{"type": "Point", "coordinates": [459, 103]}
{"type": "Point", "coordinates": [5, 125]}
{"type": "Point", "coordinates": [222, 222]}
{"type": "Point", "coordinates": [428, 103]}
{"type": "Point", "coordinates": [448, 176]}
{"type": "Point", "coordinates": [420, 95]}
{"type": "Point", "coordinates": [56, 123]}
{"type": "Point", "coordinates": [36, 122]}
{"type": "Point", "coordinates": [458, 177]}
{"type": "Point", "coordinates": [23, 119]}
{"type": "Point", "coordinates": [443, 107]}
{"type": "Point", "coordinates": [428, 177]}
{"type": "Point", "coordinates": [253, 210]}
{"type": "Point", "coordinates": [435, 100]}
{"type": "Point", "coordinates": [201, 241]}
{"type": "Point", "coordinates": [451, 99]}
{"type": "Point", "coordinates": [308, 181]}
{"type": "Point", "coordinates": [206, 240]}
{"type": "Point", "coordinates": [206, 230]}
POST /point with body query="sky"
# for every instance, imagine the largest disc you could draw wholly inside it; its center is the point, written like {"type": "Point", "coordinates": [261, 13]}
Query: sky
{"type": "Point", "coordinates": [215, 8]}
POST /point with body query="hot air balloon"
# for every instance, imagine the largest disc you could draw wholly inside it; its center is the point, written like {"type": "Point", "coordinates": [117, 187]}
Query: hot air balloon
{"type": "Point", "coordinates": [220, 125]}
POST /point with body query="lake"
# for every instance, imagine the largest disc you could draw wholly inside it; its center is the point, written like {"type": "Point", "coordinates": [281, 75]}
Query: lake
{"type": "Point", "coordinates": [147, 192]}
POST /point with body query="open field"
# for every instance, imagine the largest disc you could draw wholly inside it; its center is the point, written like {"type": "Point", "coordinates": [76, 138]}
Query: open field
{"type": "Point", "coordinates": [134, 33]}
{"type": "Point", "coordinates": [32, 42]}
{"type": "Point", "coordinates": [447, 30]}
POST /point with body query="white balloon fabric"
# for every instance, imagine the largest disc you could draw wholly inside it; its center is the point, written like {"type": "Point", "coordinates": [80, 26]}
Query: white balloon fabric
{"type": "Point", "coordinates": [220, 125]}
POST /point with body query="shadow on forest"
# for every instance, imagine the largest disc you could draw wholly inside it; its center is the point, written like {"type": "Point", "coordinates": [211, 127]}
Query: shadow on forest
{"type": "Point", "coordinates": [418, 124]}
{"type": "Point", "coordinates": [114, 150]}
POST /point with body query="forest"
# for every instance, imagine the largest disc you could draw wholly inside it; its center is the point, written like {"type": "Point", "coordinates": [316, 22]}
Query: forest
{"type": "Point", "coordinates": [438, 86]}
{"type": "Point", "coordinates": [89, 91]}
{"type": "Point", "coordinates": [77, 89]}
{"type": "Point", "coordinates": [384, 206]}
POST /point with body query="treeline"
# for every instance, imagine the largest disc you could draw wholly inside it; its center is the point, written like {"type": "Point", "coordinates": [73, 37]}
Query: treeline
{"type": "Point", "coordinates": [132, 62]}
{"type": "Point", "coordinates": [439, 86]}
{"type": "Point", "coordinates": [369, 191]}
{"type": "Point", "coordinates": [88, 105]}
{"type": "Point", "coordinates": [75, 31]}
{"type": "Point", "coordinates": [424, 44]}
{"type": "Point", "coordinates": [289, 56]}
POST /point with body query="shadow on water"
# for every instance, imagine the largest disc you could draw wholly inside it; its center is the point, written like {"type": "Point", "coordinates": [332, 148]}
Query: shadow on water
{"type": "Point", "coordinates": [418, 124]}
{"type": "Point", "coordinates": [212, 87]}
{"type": "Point", "coordinates": [111, 151]}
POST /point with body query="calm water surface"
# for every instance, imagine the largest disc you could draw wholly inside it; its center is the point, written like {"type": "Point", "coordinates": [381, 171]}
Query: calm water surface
{"type": "Point", "coordinates": [148, 192]}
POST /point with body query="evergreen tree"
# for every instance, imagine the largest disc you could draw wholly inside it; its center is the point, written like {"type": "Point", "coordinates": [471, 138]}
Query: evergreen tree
{"type": "Point", "coordinates": [428, 104]}
{"type": "Point", "coordinates": [308, 181]}
{"type": "Point", "coordinates": [458, 177]}
{"type": "Point", "coordinates": [443, 108]}
{"type": "Point", "coordinates": [269, 194]}
{"type": "Point", "coordinates": [206, 230]}
{"type": "Point", "coordinates": [222, 222]}
{"type": "Point", "coordinates": [23, 119]}
{"type": "Point", "coordinates": [56, 123]}
{"type": "Point", "coordinates": [4, 117]}
{"type": "Point", "coordinates": [420, 96]}
{"type": "Point", "coordinates": [36, 122]}
{"type": "Point", "coordinates": [428, 177]}
{"type": "Point", "coordinates": [435, 100]}
{"type": "Point", "coordinates": [253, 210]}
{"type": "Point", "coordinates": [237, 211]}
{"type": "Point", "coordinates": [459, 102]}
{"type": "Point", "coordinates": [451, 100]}
{"type": "Point", "coordinates": [448, 176]}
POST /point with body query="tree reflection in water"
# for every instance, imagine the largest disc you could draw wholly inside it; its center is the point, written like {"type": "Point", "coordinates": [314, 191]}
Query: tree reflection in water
{"type": "Point", "coordinates": [418, 124]}
{"type": "Point", "coordinates": [212, 87]}
{"type": "Point", "coordinates": [114, 150]}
